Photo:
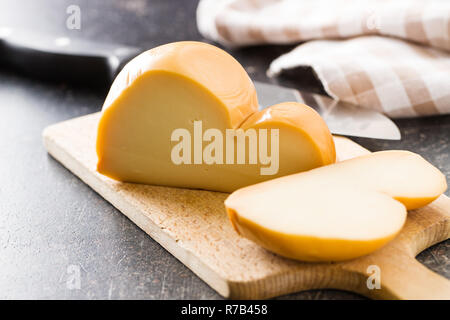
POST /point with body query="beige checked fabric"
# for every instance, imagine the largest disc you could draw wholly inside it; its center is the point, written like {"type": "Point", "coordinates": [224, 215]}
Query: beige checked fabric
{"type": "Point", "coordinates": [389, 55]}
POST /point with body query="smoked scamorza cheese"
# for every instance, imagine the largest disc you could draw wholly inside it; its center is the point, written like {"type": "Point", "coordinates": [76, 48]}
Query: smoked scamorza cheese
{"type": "Point", "coordinates": [336, 212]}
{"type": "Point", "coordinates": [185, 114]}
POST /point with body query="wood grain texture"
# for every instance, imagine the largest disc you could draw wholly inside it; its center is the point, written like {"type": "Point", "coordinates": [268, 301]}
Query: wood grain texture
{"type": "Point", "coordinates": [192, 225]}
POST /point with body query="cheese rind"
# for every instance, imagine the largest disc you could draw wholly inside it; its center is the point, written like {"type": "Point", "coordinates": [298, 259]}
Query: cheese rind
{"type": "Point", "coordinates": [401, 174]}
{"type": "Point", "coordinates": [308, 125]}
{"type": "Point", "coordinates": [178, 85]}
{"type": "Point", "coordinates": [337, 212]}
{"type": "Point", "coordinates": [205, 65]}
{"type": "Point", "coordinates": [313, 249]}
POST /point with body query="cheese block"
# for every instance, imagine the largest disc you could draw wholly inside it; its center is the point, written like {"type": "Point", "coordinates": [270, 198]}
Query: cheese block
{"type": "Point", "coordinates": [186, 114]}
{"type": "Point", "coordinates": [305, 140]}
{"type": "Point", "coordinates": [337, 212]}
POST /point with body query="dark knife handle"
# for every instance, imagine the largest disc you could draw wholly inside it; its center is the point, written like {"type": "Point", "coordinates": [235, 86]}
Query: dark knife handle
{"type": "Point", "coordinates": [63, 59]}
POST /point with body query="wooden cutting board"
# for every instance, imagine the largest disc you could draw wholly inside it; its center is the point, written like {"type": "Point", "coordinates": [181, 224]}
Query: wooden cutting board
{"type": "Point", "coordinates": [193, 226]}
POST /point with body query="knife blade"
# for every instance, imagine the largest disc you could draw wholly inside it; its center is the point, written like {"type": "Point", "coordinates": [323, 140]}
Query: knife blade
{"type": "Point", "coordinates": [341, 118]}
{"type": "Point", "coordinates": [93, 63]}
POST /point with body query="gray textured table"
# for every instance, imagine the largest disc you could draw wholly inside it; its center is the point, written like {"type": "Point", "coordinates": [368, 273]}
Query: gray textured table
{"type": "Point", "coordinates": [53, 228]}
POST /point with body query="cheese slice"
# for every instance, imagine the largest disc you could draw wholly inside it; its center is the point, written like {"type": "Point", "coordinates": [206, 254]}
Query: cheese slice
{"type": "Point", "coordinates": [337, 212]}
{"type": "Point", "coordinates": [198, 88]}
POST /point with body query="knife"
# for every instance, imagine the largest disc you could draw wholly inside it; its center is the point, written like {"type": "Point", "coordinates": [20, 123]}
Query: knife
{"type": "Point", "coordinates": [97, 64]}
{"type": "Point", "coordinates": [341, 118]}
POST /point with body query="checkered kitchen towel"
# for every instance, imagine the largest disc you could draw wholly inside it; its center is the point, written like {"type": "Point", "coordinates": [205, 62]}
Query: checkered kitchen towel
{"type": "Point", "coordinates": [389, 55]}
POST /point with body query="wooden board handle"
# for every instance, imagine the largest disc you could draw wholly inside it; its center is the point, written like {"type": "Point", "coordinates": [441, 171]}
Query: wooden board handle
{"type": "Point", "coordinates": [401, 275]}
{"type": "Point", "coordinates": [411, 280]}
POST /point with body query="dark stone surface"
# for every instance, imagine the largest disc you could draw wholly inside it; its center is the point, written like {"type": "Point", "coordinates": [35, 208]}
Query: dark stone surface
{"type": "Point", "coordinates": [52, 224]}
